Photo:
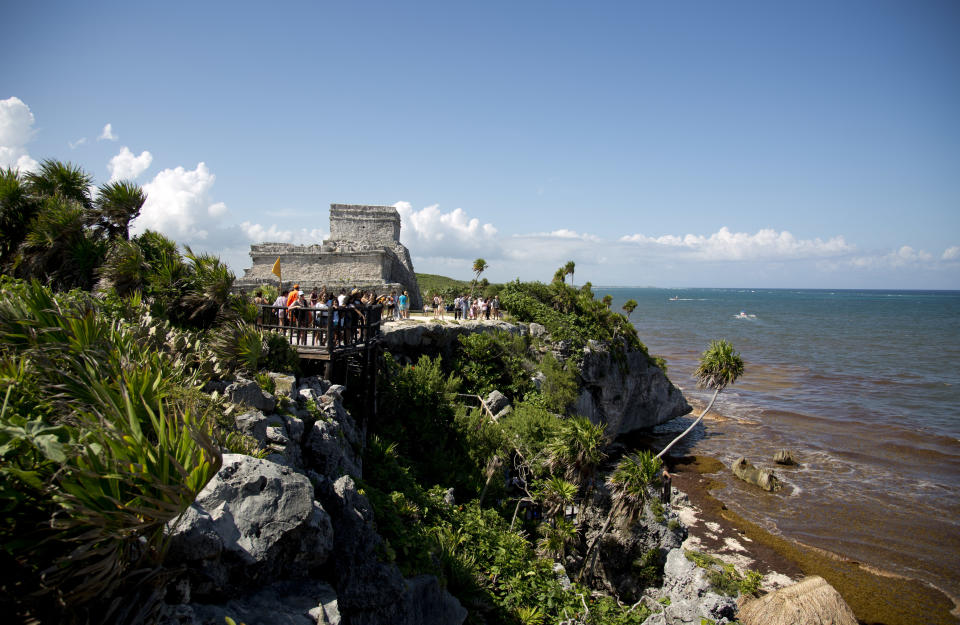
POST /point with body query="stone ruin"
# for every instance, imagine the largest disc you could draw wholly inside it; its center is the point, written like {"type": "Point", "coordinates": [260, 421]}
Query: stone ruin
{"type": "Point", "coordinates": [363, 251]}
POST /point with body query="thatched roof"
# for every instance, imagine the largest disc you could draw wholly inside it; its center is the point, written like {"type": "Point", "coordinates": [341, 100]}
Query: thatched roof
{"type": "Point", "coordinates": [812, 601]}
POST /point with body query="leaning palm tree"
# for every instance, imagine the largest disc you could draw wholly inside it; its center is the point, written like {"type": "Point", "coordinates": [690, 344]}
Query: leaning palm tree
{"type": "Point", "coordinates": [479, 266]}
{"type": "Point", "coordinates": [719, 366]}
{"type": "Point", "coordinates": [628, 484]}
{"type": "Point", "coordinates": [629, 306]}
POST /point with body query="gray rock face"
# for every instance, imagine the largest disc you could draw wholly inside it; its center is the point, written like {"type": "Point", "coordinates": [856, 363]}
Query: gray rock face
{"type": "Point", "coordinates": [408, 340]}
{"type": "Point", "coordinates": [332, 444]}
{"type": "Point", "coordinates": [303, 602]}
{"type": "Point", "coordinates": [631, 397]}
{"type": "Point", "coordinates": [285, 385]}
{"type": "Point", "coordinates": [763, 478]}
{"type": "Point", "coordinates": [497, 401]}
{"type": "Point", "coordinates": [691, 597]}
{"type": "Point", "coordinates": [249, 393]}
{"type": "Point", "coordinates": [627, 552]}
{"type": "Point", "coordinates": [255, 521]}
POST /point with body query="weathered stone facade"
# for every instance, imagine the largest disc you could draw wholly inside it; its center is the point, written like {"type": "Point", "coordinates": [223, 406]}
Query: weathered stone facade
{"type": "Point", "coordinates": [363, 251]}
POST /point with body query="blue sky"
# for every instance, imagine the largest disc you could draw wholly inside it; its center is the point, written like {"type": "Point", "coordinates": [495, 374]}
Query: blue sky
{"type": "Point", "coordinates": [812, 144]}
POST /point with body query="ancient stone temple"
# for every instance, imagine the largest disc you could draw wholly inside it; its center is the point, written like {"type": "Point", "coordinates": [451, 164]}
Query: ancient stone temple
{"type": "Point", "coordinates": [363, 251]}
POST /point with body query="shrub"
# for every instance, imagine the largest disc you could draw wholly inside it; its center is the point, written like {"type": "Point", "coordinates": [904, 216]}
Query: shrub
{"type": "Point", "coordinates": [495, 361]}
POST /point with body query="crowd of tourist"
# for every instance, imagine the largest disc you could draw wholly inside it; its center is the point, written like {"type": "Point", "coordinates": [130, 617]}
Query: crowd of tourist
{"type": "Point", "coordinates": [468, 307]}
{"type": "Point", "coordinates": [309, 317]}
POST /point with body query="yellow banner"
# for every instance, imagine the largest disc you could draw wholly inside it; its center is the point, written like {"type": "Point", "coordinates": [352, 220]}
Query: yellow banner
{"type": "Point", "coordinates": [276, 268]}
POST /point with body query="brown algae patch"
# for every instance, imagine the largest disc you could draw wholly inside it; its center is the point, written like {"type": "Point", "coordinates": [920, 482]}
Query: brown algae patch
{"type": "Point", "coordinates": [877, 598]}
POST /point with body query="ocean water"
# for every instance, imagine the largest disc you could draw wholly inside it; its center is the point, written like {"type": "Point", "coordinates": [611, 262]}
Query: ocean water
{"type": "Point", "coordinates": [864, 386]}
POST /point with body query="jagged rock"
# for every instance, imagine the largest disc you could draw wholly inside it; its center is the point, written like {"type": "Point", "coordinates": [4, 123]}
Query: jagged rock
{"type": "Point", "coordinates": [785, 456]}
{"type": "Point", "coordinates": [764, 478]}
{"type": "Point", "coordinates": [503, 413]}
{"type": "Point", "coordinates": [537, 330]}
{"type": "Point", "coordinates": [430, 604]}
{"type": "Point", "coordinates": [691, 596]}
{"type": "Point", "coordinates": [371, 592]}
{"type": "Point", "coordinates": [284, 385]}
{"type": "Point", "coordinates": [304, 602]}
{"type": "Point", "coordinates": [254, 521]}
{"type": "Point", "coordinates": [497, 401]}
{"type": "Point", "coordinates": [811, 601]}
{"type": "Point", "coordinates": [628, 393]}
{"type": "Point", "coordinates": [625, 551]}
{"type": "Point", "coordinates": [249, 393]}
{"type": "Point", "coordinates": [294, 426]}
{"type": "Point", "coordinates": [253, 423]}
{"type": "Point", "coordinates": [328, 452]}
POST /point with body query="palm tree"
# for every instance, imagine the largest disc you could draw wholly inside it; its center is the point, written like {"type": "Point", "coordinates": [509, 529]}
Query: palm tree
{"type": "Point", "coordinates": [479, 266]}
{"type": "Point", "coordinates": [719, 366]}
{"type": "Point", "coordinates": [117, 204]}
{"type": "Point", "coordinates": [629, 306]}
{"type": "Point", "coordinates": [63, 180]}
{"type": "Point", "coordinates": [628, 484]}
{"type": "Point", "coordinates": [568, 270]}
{"type": "Point", "coordinates": [17, 209]}
{"type": "Point", "coordinates": [577, 450]}
{"type": "Point", "coordinates": [557, 493]}
{"type": "Point", "coordinates": [607, 300]}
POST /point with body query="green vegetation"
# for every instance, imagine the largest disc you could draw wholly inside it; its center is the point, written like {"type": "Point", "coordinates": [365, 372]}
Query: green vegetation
{"type": "Point", "coordinates": [724, 578]}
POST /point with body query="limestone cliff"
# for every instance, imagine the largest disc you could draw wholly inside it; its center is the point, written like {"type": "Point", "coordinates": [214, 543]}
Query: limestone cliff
{"type": "Point", "coordinates": [627, 393]}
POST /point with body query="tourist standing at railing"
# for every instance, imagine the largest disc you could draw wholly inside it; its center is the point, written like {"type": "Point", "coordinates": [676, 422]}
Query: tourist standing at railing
{"type": "Point", "coordinates": [404, 302]}
{"type": "Point", "coordinates": [293, 295]}
{"type": "Point", "coordinates": [280, 303]}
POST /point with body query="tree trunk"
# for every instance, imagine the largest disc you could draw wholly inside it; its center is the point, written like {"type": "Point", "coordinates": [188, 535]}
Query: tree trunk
{"type": "Point", "coordinates": [596, 539]}
{"type": "Point", "coordinates": [692, 425]}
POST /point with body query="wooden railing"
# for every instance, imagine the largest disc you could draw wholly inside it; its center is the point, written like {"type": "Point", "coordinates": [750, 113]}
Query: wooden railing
{"type": "Point", "coordinates": [326, 330]}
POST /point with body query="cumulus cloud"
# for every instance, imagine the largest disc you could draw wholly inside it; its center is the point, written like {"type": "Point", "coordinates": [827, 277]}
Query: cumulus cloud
{"type": "Point", "coordinates": [273, 234]}
{"type": "Point", "coordinates": [432, 232]}
{"type": "Point", "coordinates": [951, 253]}
{"type": "Point", "coordinates": [107, 134]}
{"type": "Point", "coordinates": [179, 205]}
{"type": "Point", "coordinates": [16, 131]}
{"type": "Point", "coordinates": [126, 166]}
{"type": "Point", "coordinates": [765, 244]}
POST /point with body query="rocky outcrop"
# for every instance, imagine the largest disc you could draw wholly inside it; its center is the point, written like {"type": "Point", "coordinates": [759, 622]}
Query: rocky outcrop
{"type": "Point", "coordinates": [289, 538]}
{"type": "Point", "coordinates": [408, 340]}
{"type": "Point", "coordinates": [764, 478]}
{"type": "Point", "coordinates": [626, 391]}
{"type": "Point", "coordinates": [691, 597]}
{"type": "Point", "coordinates": [254, 521]}
{"type": "Point", "coordinates": [785, 457]}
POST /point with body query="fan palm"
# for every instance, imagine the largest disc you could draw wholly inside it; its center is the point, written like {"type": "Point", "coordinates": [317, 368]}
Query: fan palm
{"type": "Point", "coordinates": [17, 209]}
{"type": "Point", "coordinates": [117, 204]}
{"type": "Point", "coordinates": [64, 180]}
{"type": "Point", "coordinates": [629, 489]}
{"type": "Point", "coordinates": [719, 366]}
{"type": "Point", "coordinates": [629, 306]}
{"type": "Point", "coordinates": [577, 450]}
{"type": "Point", "coordinates": [479, 266]}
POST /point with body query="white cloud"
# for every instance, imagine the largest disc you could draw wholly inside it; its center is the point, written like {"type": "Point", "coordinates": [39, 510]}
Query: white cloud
{"type": "Point", "coordinates": [107, 134]}
{"type": "Point", "coordinates": [76, 144]}
{"type": "Point", "coordinates": [16, 131]}
{"type": "Point", "coordinates": [951, 253]}
{"type": "Point", "coordinates": [431, 232]}
{"type": "Point", "coordinates": [178, 204]}
{"type": "Point", "coordinates": [126, 166]}
{"type": "Point", "coordinates": [258, 234]}
{"type": "Point", "coordinates": [906, 256]}
{"type": "Point", "coordinates": [766, 244]}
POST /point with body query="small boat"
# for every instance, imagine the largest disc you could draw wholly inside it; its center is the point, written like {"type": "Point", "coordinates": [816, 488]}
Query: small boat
{"type": "Point", "coordinates": [674, 298]}
{"type": "Point", "coordinates": [742, 315]}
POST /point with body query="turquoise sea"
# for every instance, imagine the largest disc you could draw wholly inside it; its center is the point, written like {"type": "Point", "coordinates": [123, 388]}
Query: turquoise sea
{"type": "Point", "coordinates": [863, 385]}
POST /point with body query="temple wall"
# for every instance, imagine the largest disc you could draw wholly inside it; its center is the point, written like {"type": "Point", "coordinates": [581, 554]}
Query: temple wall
{"type": "Point", "coordinates": [364, 224]}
